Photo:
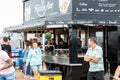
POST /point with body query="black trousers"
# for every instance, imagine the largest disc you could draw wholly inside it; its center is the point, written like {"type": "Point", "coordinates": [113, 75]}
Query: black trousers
{"type": "Point", "coordinates": [99, 75]}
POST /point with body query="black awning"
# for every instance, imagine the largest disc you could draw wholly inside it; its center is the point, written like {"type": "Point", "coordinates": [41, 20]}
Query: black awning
{"type": "Point", "coordinates": [54, 12]}
{"type": "Point", "coordinates": [32, 25]}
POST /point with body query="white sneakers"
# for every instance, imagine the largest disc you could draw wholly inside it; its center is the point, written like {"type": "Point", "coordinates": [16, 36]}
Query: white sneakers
{"type": "Point", "coordinates": [31, 77]}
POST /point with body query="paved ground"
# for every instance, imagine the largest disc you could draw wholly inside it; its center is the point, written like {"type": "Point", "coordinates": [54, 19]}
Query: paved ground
{"type": "Point", "coordinates": [21, 76]}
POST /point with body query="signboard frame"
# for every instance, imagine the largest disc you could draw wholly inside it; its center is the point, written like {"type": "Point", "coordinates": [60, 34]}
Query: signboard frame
{"type": "Point", "coordinates": [76, 11]}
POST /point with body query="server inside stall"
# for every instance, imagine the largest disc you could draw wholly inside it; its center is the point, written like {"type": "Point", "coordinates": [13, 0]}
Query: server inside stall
{"type": "Point", "coordinates": [62, 44]}
{"type": "Point", "coordinates": [53, 43]}
{"type": "Point", "coordinates": [79, 43]}
{"type": "Point", "coordinates": [49, 47]}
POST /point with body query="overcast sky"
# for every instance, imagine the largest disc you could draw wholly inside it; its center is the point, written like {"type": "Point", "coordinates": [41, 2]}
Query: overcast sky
{"type": "Point", "coordinates": [11, 13]}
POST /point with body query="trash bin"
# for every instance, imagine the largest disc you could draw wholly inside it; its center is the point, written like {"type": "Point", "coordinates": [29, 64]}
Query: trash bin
{"type": "Point", "coordinates": [17, 57]}
{"type": "Point", "coordinates": [50, 75]}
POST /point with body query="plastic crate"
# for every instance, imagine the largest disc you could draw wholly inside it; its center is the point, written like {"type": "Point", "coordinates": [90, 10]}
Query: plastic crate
{"type": "Point", "coordinates": [50, 75]}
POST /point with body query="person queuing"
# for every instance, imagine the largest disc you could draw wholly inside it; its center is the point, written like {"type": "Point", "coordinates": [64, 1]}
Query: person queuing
{"type": "Point", "coordinates": [7, 71]}
{"type": "Point", "coordinates": [94, 56]}
{"type": "Point", "coordinates": [35, 58]}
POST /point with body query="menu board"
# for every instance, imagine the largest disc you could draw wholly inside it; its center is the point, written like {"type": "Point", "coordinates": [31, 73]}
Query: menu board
{"type": "Point", "coordinates": [103, 12]}
{"type": "Point", "coordinates": [97, 6]}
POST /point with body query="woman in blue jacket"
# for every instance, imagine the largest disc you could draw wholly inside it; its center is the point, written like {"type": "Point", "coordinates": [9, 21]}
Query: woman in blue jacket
{"type": "Point", "coordinates": [35, 58]}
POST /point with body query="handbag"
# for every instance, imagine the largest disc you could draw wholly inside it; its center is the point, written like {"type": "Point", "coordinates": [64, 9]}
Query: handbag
{"type": "Point", "coordinates": [10, 55]}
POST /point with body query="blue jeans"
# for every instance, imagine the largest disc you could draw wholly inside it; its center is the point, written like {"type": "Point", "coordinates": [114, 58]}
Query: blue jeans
{"type": "Point", "coordinates": [10, 76]}
{"type": "Point", "coordinates": [26, 70]}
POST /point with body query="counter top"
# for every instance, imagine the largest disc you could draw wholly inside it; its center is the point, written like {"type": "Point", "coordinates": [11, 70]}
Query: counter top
{"type": "Point", "coordinates": [60, 61]}
{"type": "Point", "coordinates": [66, 64]}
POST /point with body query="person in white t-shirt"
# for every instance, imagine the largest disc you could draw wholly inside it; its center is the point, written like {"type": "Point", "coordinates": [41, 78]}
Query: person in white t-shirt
{"type": "Point", "coordinates": [7, 71]}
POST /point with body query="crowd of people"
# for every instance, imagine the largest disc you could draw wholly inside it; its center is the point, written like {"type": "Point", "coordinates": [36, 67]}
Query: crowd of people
{"type": "Point", "coordinates": [34, 58]}
{"type": "Point", "coordinates": [61, 43]}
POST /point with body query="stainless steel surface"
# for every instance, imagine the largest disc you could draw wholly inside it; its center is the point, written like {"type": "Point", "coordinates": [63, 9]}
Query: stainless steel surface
{"type": "Point", "coordinates": [59, 60]}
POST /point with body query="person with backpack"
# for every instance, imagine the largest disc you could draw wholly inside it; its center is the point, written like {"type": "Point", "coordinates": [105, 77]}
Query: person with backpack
{"type": "Point", "coordinates": [6, 47]}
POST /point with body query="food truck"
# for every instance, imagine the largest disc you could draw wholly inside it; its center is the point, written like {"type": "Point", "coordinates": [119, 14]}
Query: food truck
{"type": "Point", "coordinates": [74, 21]}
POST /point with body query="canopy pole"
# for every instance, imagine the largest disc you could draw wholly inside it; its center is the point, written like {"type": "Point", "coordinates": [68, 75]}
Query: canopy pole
{"type": "Point", "coordinates": [73, 43]}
